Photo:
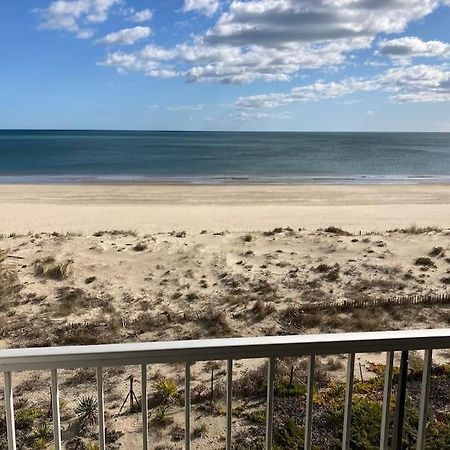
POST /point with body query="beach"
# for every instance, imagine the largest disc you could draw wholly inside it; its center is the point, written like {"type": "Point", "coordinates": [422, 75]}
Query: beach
{"type": "Point", "coordinates": [155, 208]}
{"type": "Point", "coordinates": [100, 263]}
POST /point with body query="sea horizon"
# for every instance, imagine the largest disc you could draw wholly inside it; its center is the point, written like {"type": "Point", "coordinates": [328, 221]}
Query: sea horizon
{"type": "Point", "coordinates": [222, 157]}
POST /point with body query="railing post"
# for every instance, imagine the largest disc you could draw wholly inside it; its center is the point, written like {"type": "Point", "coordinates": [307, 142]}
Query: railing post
{"type": "Point", "coordinates": [384, 437]}
{"type": "Point", "coordinates": [9, 406]}
{"type": "Point", "coordinates": [144, 406]}
{"type": "Point", "coordinates": [397, 434]}
{"type": "Point", "coordinates": [309, 401]}
{"type": "Point", "coordinates": [55, 411]}
{"type": "Point", "coordinates": [348, 402]}
{"type": "Point", "coordinates": [229, 402]}
{"type": "Point", "coordinates": [101, 409]}
{"type": "Point", "coordinates": [187, 406]}
{"type": "Point", "coordinates": [269, 411]}
{"type": "Point", "coordinates": [425, 395]}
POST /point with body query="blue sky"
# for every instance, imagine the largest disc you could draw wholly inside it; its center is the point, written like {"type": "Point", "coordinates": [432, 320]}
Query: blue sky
{"type": "Point", "coordinates": [301, 65]}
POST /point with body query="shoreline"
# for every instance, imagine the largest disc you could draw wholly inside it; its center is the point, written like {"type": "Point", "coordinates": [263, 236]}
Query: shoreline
{"type": "Point", "coordinates": [161, 208]}
{"type": "Point", "coordinates": [219, 180]}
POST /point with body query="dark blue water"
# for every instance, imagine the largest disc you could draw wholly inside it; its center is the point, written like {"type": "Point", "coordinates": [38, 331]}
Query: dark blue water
{"type": "Point", "coordinates": [215, 157]}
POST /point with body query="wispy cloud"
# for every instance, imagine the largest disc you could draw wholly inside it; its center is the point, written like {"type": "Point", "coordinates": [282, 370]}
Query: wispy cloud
{"type": "Point", "coordinates": [207, 7]}
{"type": "Point", "coordinates": [186, 107]}
{"type": "Point", "coordinates": [404, 84]}
{"type": "Point", "coordinates": [141, 16]}
{"type": "Point", "coordinates": [126, 36]}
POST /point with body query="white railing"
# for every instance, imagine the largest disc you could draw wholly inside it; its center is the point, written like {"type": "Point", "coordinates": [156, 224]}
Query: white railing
{"type": "Point", "coordinates": [189, 352]}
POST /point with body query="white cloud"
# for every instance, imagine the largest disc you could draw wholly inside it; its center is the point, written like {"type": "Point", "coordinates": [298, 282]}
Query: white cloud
{"type": "Point", "coordinates": [412, 47]}
{"type": "Point", "coordinates": [421, 83]}
{"type": "Point", "coordinates": [141, 16]}
{"type": "Point", "coordinates": [127, 36]}
{"type": "Point", "coordinates": [186, 107]}
{"type": "Point", "coordinates": [308, 93]}
{"type": "Point", "coordinates": [256, 115]}
{"type": "Point", "coordinates": [207, 7]}
{"type": "Point", "coordinates": [405, 84]}
{"type": "Point", "coordinates": [272, 40]}
{"type": "Point", "coordinates": [76, 16]}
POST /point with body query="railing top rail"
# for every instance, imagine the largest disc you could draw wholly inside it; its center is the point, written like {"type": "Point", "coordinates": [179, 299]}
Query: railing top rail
{"type": "Point", "coordinates": [13, 360]}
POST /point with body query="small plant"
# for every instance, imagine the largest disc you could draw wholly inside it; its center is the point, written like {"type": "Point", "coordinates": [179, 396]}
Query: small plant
{"type": "Point", "coordinates": [26, 416]}
{"type": "Point", "coordinates": [92, 446]}
{"type": "Point", "coordinates": [166, 388]}
{"type": "Point", "coordinates": [289, 390]}
{"type": "Point", "coordinates": [140, 247]}
{"type": "Point", "coordinates": [414, 229]}
{"type": "Point", "coordinates": [86, 411]}
{"type": "Point", "coordinates": [336, 230]}
{"type": "Point", "coordinates": [177, 433]}
{"type": "Point", "coordinates": [247, 238]}
{"type": "Point", "coordinates": [200, 431]}
{"type": "Point", "coordinates": [437, 251]}
{"type": "Point", "coordinates": [163, 416]}
{"type": "Point", "coordinates": [50, 268]}
{"type": "Point", "coordinates": [43, 432]}
{"type": "Point", "coordinates": [263, 310]}
{"type": "Point", "coordinates": [424, 261]}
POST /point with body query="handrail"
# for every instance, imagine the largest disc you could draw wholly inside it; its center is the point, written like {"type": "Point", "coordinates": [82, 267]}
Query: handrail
{"type": "Point", "coordinates": [16, 360]}
{"type": "Point", "coordinates": [270, 347]}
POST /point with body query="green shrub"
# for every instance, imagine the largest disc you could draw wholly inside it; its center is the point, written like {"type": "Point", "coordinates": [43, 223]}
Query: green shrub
{"type": "Point", "coordinates": [289, 390]}
{"type": "Point", "coordinates": [86, 411]}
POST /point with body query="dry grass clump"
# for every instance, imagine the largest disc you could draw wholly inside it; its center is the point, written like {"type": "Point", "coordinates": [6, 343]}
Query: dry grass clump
{"type": "Point", "coordinates": [9, 282]}
{"type": "Point", "coordinates": [336, 230]}
{"type": "Point", "coordinates": [414, 229]}
{"type": "Point", "coordinates": [145, 322]}
{"type": "Point", "coordinates": [88, 333]}
{"type": "Point", "coordinates": [48, 267]}
{"type": "Point", "coordinates": [140, 247]}
{"type": "Point", "coordinates": [424, 261]}
{"type": "Point", "coordinates": [437, 252]}
{"type": "Point", "coordinates": [71, 298]}
{"type": "Point", "coordinates": [252, 383]}
{"type": "Point", "coordinates": [216, 322]}
{"type": "Point", "coordinates": [115, 233]}
{"type": "Point", "coordinates": [263, 310]}
{"type": "Point", "coordinates": [331, 273]}
{"type": "Point", "coordinates": [381, 284]}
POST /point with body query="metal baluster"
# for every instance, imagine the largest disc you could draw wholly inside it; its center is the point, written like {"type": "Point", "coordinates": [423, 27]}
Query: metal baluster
{"type": "Point", "coordinates": [384, 437]}
{"type": "Point", "coordinates": [309, 401]}
{"type": "Point", "coordinates": [269, 413]}
{"type": "Point", "coordinates": [187, 406]}
{"type": "Point", "coordinates": [425, 395]}
{"type": "Point", "coordinates": [348, 402]}
{"type": "Point", "coordinates": [229, 401]}
{"type": "Point", "coordinates": [101, 409]}
{"type": "Point", "coordinates": [144, 406]}
{"type": "Point", "coordinates": [397, 434]}
{"type": "Point", "coordinates": [55, 411]}
{"type": "Point", "coordinates": [9, 406]}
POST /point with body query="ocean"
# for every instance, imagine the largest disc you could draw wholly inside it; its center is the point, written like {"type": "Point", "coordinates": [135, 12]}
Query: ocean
{"type": "Point", "coordinates": [222, 157]}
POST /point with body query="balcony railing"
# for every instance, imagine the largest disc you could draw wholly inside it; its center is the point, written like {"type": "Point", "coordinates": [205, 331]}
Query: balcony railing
{"type": "Point", "coordinates": [189, 352]}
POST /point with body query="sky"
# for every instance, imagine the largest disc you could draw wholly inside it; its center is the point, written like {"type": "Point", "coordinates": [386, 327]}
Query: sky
{"type": "Point", "coordinates": [263, 65]}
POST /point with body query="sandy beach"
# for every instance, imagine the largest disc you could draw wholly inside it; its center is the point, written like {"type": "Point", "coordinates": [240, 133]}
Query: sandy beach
{"type": "Point", "coordinates": [89, 264]}
{"type": "Point", "coordinates": [154, 208]}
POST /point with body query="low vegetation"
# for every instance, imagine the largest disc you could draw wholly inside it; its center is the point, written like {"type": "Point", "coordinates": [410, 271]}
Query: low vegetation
{"type": "Point", "coordinates": [48, 267]}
